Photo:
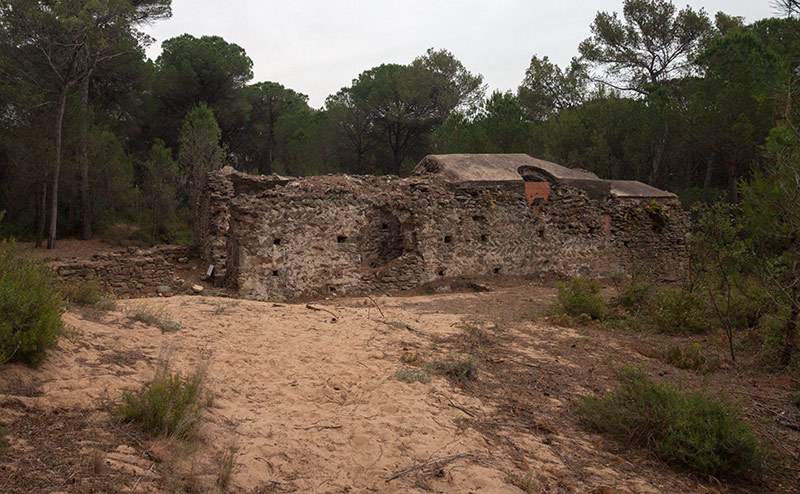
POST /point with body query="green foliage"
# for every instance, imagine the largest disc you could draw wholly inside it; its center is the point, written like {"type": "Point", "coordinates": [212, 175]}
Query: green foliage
{"type": "Point", "coordinates": [635, 292]}
{"type": "Point", "coordinates": [412, 375]}
{"type": "Point", "coordinates": [459, 371]}
{"type": "Point", "coordinates": [160, 182]}
{"type": "Point", "coordinates": [547, 89]}
{"type": "Point", "coordinates": [686, 428]}
{"type": "Point", "coordinates": [652, 45]}
{"type": "Point", "coordinates": [679, 311]}
{"type": "Point", "coordinates": [86, 293]}
{"type": "Point", "coordinates": [581, 296]}
{"type": "Point", "coordinates": [169, 405]}
{"type": "Point", "coordinates": [30, 308]}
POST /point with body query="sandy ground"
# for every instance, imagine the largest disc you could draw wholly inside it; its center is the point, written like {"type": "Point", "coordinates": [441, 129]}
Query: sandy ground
{"type": "Point", "coordinates": [311, 404]}
{"type": "Point", "coordinates": [308, 401]}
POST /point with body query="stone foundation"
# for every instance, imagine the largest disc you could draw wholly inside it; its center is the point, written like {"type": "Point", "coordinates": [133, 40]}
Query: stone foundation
{"type": "Point", "coordinates": [127, 273]}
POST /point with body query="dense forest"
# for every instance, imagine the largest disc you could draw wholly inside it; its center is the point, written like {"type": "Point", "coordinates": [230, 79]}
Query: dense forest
{"type": "Point", "coordinates": [96, 138]}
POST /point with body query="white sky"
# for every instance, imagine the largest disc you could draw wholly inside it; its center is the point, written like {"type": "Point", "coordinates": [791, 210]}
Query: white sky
{"type": "Point", "coordinates": [317, 47]}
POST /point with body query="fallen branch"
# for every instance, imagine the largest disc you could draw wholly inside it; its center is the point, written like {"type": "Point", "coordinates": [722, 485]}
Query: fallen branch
{"type": "Point", "coordinates": [318, 309]}
{"type": "Point", "coordinates": [376, 306]}
{"type": "Point", "coordinates": [320, 427]}
{"type": "Point", "coordinates": [456, 405]}
{"type": "Point", "coordinates": [440, 462]}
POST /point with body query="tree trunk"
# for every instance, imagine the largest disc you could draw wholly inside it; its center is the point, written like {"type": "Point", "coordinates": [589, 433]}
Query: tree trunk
{"type": "Point", "coordinates": [658, 158]}
{"type": "Point", "coordinates": [733, 193]}
{"type": "Point", "coordinates": [83, 159]}
{"type": "Point", "coordinates": [41, 211]}
{"type": "Point", "coordinates": [707, 181]}
{"type": "Point", "coordinates": [62, 103]}
{"type": "Point", "coordinates": [791, 330]}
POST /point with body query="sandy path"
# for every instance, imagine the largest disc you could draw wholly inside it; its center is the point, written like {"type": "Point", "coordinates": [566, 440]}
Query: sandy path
{"type": "Point", "coordinates": [312, 403]}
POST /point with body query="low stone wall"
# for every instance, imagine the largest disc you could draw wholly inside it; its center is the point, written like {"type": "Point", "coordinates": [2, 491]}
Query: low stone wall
{"type": "Point", "coordinates": [127, 273]}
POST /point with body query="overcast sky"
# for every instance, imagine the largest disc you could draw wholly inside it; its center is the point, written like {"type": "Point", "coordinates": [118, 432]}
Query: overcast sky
{"type": "Point", "coordinates": [317, 47]}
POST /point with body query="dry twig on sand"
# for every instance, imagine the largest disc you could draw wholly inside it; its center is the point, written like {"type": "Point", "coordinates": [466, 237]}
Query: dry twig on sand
{"type": "Point", "coordinates": [318, 309]}
{"type": "Point", "coordinates": [439, 462]}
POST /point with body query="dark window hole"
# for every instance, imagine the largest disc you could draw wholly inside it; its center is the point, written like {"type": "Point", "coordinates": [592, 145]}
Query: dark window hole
{"type": "Point", "coordinates": [277, 241]}
{"type": "Point", "coordinates": [496, 270]}
{"type": "Point", "coordinates": [441, 272]}
{"type": "Point", "coordinates": [448, 239]}
{"type": "Point", "coordinates": [341, 239]}
{"type": "Point", "coordinates": [484, 238]}
{"type": "Point", "coordinates": [384, 226]}
{"type": "Point", "coordinates": [275, 272]}
{"type": "Point", "coordinates": [332, 289]}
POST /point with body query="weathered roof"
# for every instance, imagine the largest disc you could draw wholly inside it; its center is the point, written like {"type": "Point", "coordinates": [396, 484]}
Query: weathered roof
{"type": "Point", "coordinates": [473, 167]}
{"type": "Point", "coordinates": [634, 189]}
{"type": "Point", "coordinates": [494, 168]}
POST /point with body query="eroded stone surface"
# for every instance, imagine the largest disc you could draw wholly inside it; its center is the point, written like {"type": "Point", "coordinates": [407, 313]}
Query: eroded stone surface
{"type": "Point", "coordinates": [276, 237]}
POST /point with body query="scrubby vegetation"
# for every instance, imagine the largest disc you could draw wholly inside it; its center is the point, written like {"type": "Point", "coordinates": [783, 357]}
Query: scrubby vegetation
{"type": "Point", "coordinates": [154, 317]}
{"type": "Point", "coordinates": [87, 293]}
{"type": "Point", "coordinates": [30, 307]}
{"type": "Point", "coordinates": [168, 405]}
{"type": "Point", "coordinates": [412, 375]}
{"type": "Point", "coordinates": [459, 371]}
{"type": "Point", "coordinates": [688, 357]}
{"type": "Point", "coordinates": [687, 428]}
{"type": "Point", "coordinates": [581, 296]}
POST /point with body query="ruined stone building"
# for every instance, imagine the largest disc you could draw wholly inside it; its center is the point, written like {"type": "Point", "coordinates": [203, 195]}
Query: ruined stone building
{"type": "Point", "coordinates": [275, 237]}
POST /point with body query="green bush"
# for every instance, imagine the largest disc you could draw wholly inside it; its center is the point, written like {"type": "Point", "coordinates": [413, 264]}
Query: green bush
{"type": "Point", "coordinates": [635, 294]}
{"type": "Point", "coordinates": [682, 427]}
{"type": "Point", "coordinates": [86, 293]}
{"type": "Point", "coordinates": [30, 308]}
{"type": "Point", "coordinates": [677, 311]}
{"type": "Point", "coordinates": [581, 296]}
{"type": "Point", "coordinates": [169, 405]}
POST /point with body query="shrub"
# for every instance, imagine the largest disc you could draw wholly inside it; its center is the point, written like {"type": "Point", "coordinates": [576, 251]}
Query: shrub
{"type": "Point", "coordinates": [169, 405]}
{"type": "Point", "coordinates": [460, 371]}
{"type": "Point", "coordinates": [30, 308]}
{"type": "Point", "coordinates": [687, 357]}
{"type": "Point", "coordinates": [412, 375]}
{"type": "Point", "coordinates": [153, 317]}
{"type": "Point", "coordinates": [581, 296]}
{"type": "Point", "coordinates": [682, 427]}
{"type": "Point", "coordinates": [676, 310]}
{"type": "Point", "coordinates": [86, 293]}
{"type": "Point", "coordinates": [635, 293]}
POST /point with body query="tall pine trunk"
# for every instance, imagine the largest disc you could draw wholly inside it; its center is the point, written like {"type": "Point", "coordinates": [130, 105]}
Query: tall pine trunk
{"type": "Point", "coordinates": [83, 160]}
{"type": "Point", "coordinates": [41, 210]}
{"type": "Point", "coordinates": [62, 103]}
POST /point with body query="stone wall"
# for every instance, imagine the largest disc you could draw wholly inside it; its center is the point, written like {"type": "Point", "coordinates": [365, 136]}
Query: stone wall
{"type": "Point", "coordinates": [289, 238]}
{"type": "Point", "coordinates": [126, 273]}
